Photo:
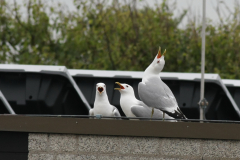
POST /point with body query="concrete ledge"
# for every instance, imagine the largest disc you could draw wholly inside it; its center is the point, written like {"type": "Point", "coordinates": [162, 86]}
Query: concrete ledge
{"type": "Point", "coordinates": [113, 127]}
{"type": "Point", "coordinates": [80, 147]}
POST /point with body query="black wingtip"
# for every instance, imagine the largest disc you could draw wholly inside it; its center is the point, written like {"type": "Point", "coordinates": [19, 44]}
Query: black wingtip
{"type": "Point", "coordinates": [177, 114]}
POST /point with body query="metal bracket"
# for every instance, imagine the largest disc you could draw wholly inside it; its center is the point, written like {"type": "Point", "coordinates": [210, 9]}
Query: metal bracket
{"type": "Point", "coordinates": [203, 103]}
{"type": "Point", "coordinates": [98, 116]}
{"type": "Point", "coordinates": [5, 102]}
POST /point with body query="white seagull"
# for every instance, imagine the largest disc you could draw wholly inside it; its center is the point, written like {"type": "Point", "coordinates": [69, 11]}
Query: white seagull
{"type": "Point", "coordinates": [102, 105]}
{"type": "Point", "coordinates": [155, 93]}
{"type": "Point", "coordinates": [132, 107]}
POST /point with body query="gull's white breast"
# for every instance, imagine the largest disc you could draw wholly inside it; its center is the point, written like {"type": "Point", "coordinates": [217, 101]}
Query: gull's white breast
{"type": "Point", "coordinates": [126, 104]}
{"type": "Point", "coordinates": [103, 109]}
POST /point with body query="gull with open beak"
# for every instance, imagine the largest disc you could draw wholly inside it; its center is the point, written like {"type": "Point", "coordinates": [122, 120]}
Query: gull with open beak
{"type": "Point", "coordinates": [132, 107]}
{"type": "Point", "coordinates": [102, 105]}
{"type": "Point", "coordinates": [155, 93]}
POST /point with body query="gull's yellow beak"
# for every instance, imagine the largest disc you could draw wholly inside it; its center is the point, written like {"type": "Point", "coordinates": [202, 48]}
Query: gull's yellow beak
{"type": "Point", "coordinates": [121, 87]}
{"type": "Point", "coordinates": [159, 53]}
{"type": "Point", "coordinates": [164, 52]}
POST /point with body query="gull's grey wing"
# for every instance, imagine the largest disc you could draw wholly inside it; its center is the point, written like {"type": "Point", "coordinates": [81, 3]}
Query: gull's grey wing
{"type": "Point", "coordinates": [116, 112]}
{"type": "Point", "coordinates": [140, 103]}
{"type": "Point", "coordinates": [169, 92]}
{"type": "Point", "coordinates": [154, 93]}
{"type": "Point", "coordinates": [140, 111]}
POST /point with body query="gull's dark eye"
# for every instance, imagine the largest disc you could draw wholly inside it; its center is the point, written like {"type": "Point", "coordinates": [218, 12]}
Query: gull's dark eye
{"type": "Point", "coordinates": [127, 85]}
{"type": "Point", "coordinates": [158, 61]}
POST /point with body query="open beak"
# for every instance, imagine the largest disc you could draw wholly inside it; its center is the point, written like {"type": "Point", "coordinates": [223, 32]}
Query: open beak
{"type": "Point", "coordinates": [100, 90]}
{"type": "Point", "coordinates": [121, 87]}
{"type": "Point", "coordinates": [159, 53]}
{"type": "Point", "coordinates": [164, 52]}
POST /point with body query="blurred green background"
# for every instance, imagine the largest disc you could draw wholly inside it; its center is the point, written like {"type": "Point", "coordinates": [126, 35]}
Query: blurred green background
{"type": "Point", "coordinates": [116, 36]}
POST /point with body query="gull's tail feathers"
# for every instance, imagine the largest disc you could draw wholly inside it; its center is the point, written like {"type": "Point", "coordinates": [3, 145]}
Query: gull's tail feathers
{"type": "Point", "coordinates": [176, 114]}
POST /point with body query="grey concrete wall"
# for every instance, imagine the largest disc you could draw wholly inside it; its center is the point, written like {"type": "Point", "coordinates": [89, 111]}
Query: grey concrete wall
{"type": "Point", "coordinates": [81, 147]}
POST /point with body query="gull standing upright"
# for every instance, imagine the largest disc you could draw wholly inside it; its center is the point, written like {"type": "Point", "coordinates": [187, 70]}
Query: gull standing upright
{"type": "Point", "coordinates": [132, 107]}
{"type": "Point", "coordinates": [155, 93]}
{"type": "Point", "coordinates": [102, 105]}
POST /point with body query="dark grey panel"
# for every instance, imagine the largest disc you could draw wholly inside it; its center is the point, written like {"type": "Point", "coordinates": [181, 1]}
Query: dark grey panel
{"type": "Point", "coordinates": [235, 92]}
{"type": "Point", "coordinates": [186, 90]}
{"type": "Point", "coordinates": [32, 87]}
{"type": "Point", "coordinates": [13, 142]}
{"type": "Point", "coordinates": [13, 87]}
{"type": "Point", "coordinates": [40, 93]}
{"type": "Point", "coordinates": [14, 156]}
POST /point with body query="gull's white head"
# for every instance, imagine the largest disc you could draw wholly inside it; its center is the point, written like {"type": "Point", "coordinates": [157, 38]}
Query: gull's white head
{"type": "Point", "coordinates": [125, 88]}
{"type": "Point", "coordinates": [158, 62]}
{"type": "Point", "coordinates": [155, 67]}
{"type": "Point", "coordinates": [100, 88]}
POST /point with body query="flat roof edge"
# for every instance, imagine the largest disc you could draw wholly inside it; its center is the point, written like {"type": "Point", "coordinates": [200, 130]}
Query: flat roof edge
{"type": "Point", "coordinates": [113, 127]}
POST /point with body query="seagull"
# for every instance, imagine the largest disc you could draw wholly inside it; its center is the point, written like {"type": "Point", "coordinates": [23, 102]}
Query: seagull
{"type": "Point", "coordinates": [102, 105]}
{"type": "Point", "coordinates": [155, 93]}
{"type": "Point", "coordinates": [132, 107]}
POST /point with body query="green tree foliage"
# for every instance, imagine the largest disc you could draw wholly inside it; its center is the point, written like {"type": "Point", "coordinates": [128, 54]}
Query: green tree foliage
{"type": "Point", "coordinates": [115, 36]}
